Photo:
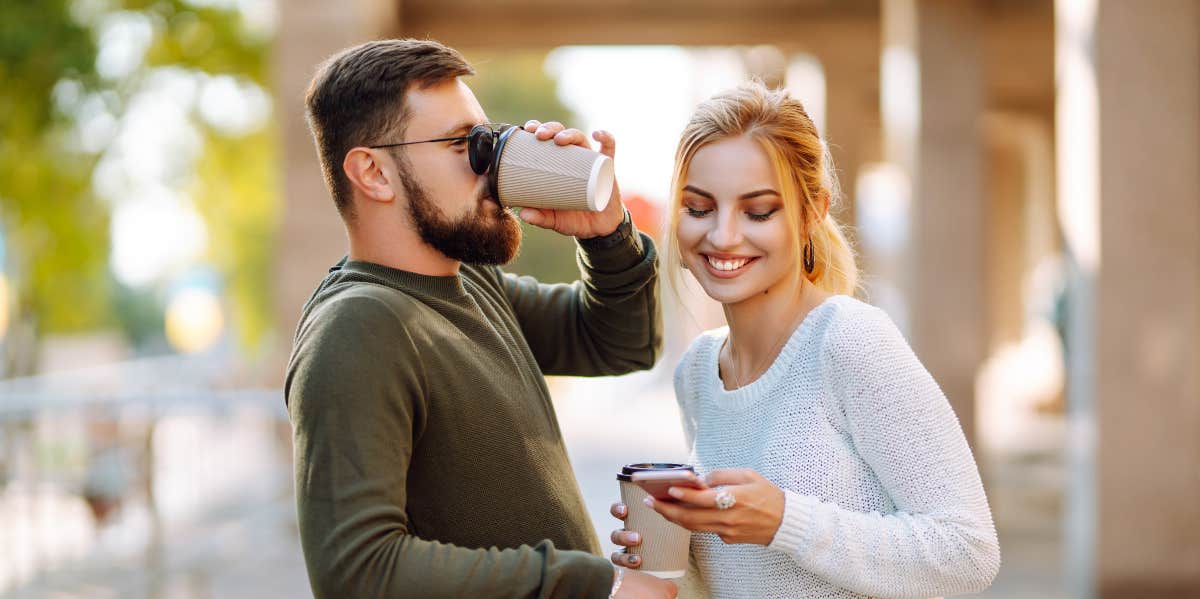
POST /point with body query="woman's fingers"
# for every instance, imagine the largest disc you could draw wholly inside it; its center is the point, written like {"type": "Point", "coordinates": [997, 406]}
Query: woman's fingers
{"type": "Point", "coordinates": [626, 560]}
{"type": "Point", "coordinates": [618, 510]}
{"type": "Point", "coordinates": [732, 476]}
{"type": "Point", "coordinates": [692, 518]}
{"type": "Point", "coordinates": [531, 125]}
{"type": "Point", "coordinates": [699, 497]}
{"type": "Point", "coordinates": [626, 538]}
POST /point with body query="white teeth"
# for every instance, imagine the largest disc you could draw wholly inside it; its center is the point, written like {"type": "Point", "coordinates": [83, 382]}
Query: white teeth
{"type": "Point", "coordinates": [727, 264]}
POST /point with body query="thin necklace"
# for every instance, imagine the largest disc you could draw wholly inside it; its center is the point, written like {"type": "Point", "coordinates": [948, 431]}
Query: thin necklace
{"type": "Point", "coordinates": [737, 380]}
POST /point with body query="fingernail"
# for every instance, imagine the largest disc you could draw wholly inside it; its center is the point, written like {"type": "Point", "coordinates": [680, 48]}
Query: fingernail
{"type": "Point", "coordinates": [635, 537]}
{"type": "Point", "coordinates": [649, 501]}
{"type": "Point", "coordinates": [621, 510]}
{"type": "Point", "coordinates": [676, 493]}
{"type": "Point", "coordinates": [635, 559]}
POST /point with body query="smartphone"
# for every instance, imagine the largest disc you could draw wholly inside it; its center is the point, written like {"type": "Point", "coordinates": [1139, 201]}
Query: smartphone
{"type": "Point", "coordinates": [656, 482]}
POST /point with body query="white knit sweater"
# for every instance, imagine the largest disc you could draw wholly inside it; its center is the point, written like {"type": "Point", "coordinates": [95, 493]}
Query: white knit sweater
{"type": "Point", "coordinates": [883, 495]}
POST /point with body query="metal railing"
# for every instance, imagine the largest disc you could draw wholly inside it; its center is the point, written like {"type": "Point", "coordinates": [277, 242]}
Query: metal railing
{"type": "Point", "coordinates": [113, 476]}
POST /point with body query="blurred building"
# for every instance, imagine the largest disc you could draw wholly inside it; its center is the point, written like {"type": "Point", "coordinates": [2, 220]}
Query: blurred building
{"type": "Point", "coordinates": [1043, 155]}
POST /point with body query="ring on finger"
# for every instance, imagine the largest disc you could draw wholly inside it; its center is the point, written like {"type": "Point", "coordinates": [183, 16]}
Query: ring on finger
{"type": "Point", "coordinates": [725, 500]}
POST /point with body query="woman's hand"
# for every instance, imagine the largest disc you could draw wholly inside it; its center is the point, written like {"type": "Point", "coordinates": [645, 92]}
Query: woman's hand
{"type": "Point", "coordinates": [583, 224]}
{"type": "Point", "coordinates": [624, 538]}
{"type": "Point", "coordinates": [754, 517]}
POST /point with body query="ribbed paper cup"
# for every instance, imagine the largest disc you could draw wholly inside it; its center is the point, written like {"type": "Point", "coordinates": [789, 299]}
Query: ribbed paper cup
{"type": "Point", "coordinates": [542, 174]}
{"type": "Point", "coordinates": [664, 547]}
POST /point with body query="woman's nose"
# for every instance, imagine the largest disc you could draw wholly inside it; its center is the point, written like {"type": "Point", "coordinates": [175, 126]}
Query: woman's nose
{"type": "Point", "coordinates": [725, 232]}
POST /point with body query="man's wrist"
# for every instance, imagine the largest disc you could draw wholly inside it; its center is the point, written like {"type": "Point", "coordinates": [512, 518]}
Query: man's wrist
{"type": "Point", "coordinates": [622, 232]}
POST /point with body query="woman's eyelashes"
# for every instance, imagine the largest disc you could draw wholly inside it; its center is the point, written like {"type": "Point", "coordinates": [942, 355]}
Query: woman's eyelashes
{"type": "Point", "coordinates": [754, 216]}
{"type": "Point", "coordinates": [761, 216]}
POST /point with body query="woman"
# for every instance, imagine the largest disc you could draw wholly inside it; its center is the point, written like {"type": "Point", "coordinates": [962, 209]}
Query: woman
{"type": "Point", "coordinates": [840, 468]}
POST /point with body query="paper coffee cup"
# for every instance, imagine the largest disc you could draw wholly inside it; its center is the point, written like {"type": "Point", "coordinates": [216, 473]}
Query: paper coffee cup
{"type": "Point", "coordinates": [664, 547]}
{"type": "Point", "coordinates": [531, 173]}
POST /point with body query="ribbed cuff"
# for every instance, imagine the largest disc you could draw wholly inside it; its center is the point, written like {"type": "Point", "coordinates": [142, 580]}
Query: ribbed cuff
{"type": "Point", "coordinates": [797, 525]}
{"type": "Point", "coordinates": [627, 251]}
{"type": "Point", "coordinates": [598, 580]}
{"type": "Point", "coordinates": [622, 232]}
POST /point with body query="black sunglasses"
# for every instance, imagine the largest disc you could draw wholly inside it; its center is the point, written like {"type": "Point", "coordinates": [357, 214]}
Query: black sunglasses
{"type": "Point", "coordinates": [482, 143]}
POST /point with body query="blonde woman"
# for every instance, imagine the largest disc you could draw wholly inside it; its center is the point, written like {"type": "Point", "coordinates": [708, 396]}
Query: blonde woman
{"type": "Point", "coordinates": [836, 465]}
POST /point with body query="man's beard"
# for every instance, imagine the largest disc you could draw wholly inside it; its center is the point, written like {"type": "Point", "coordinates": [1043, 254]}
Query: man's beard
{"type": "Point", "coordinates": [487, 235]}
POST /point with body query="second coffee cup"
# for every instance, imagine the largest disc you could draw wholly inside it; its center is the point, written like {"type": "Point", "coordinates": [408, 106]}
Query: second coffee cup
{"type": "Point", "coordinates": [664, 546]}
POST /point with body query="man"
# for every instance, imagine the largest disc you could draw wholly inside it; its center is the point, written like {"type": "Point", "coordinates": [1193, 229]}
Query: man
{"type": "Point", "coordinates": [429, 462]}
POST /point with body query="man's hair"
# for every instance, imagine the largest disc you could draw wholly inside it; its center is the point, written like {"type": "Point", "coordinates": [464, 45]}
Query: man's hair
{"type": "Point", "coordinates": [356, 99]}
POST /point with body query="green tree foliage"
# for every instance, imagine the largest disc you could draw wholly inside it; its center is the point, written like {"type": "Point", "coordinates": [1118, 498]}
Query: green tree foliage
{"type": "Point", "coordinates": [236, 192]}
{"type": "Point", "coordinates": [235, 186]}
{"type": "Point", "coordinates": [54, 227]}
{"type": "Point", "coordinates": [55, 232]}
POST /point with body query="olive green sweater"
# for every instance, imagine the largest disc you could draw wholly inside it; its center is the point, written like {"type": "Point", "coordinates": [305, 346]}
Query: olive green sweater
{"type": "Point", "coordinates": [428, 457]}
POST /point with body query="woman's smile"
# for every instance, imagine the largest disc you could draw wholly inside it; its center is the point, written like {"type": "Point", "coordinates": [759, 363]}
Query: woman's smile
{"type": "Point", "coordinates": [725, 266]}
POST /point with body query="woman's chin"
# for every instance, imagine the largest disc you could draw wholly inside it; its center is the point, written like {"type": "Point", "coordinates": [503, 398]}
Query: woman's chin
{"type": "Point", "coordinates": [727, 291]}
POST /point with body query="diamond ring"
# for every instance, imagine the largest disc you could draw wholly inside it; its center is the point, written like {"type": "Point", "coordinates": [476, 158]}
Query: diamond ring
{"type": "Point", "coordinates": [725, 500]}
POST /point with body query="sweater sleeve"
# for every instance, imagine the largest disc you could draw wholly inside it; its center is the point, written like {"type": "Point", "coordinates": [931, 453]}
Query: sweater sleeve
{"type": "Point", "coordinates": [355, 392]}
{"type": "Point", "coordinates": [606, 323]}
{"type": "Point", "coordinates": [940, 539]}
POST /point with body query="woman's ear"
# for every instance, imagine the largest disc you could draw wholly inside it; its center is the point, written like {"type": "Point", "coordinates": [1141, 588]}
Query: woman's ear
{"type": "Point", "coordinates": [364, 168]}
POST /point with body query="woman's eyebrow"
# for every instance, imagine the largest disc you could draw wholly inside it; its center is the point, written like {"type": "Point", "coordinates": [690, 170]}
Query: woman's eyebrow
{"type": "Point", "coordinates": [745, 196]}
{"type": "Point", "coordinates": [754, 194]}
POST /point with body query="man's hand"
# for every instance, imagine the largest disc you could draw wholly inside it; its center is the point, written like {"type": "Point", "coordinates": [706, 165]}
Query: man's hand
{"type": "Point", "coordinates": [578, 223]}
{"type": "Point", "coordinates": [638, 586]}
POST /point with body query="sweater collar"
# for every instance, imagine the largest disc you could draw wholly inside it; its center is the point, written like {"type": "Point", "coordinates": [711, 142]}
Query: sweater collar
{"type": "Point", "coordinates": [749, 394]}
{"type": "Point", "coordinates": [445, 287]}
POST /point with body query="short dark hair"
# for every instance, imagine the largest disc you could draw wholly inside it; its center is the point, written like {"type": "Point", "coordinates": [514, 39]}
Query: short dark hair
{"type": "Point", "coordinates": [356, 98]}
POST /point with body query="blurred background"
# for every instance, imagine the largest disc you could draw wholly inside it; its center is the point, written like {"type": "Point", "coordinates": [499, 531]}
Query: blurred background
{"type": "Point", "coordinates": [1021, 178]}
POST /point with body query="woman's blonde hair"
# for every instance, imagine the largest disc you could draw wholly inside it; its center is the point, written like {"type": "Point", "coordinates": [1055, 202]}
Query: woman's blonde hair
{"type": "Point", "coordinates": [802, 167]}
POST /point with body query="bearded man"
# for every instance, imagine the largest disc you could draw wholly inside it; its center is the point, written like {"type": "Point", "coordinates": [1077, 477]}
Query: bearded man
{"type": "Point", "coordinates": [428, 457]}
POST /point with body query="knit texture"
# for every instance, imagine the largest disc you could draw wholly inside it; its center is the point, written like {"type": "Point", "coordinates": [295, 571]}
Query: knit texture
{"type": "Point", "coordinates": [428, 458]}
{"type": "Point", "coordinates": [883, 497]}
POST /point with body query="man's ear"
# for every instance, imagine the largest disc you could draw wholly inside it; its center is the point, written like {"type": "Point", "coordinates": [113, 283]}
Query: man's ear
{"type": "Point", "coordinates": [365, 168]}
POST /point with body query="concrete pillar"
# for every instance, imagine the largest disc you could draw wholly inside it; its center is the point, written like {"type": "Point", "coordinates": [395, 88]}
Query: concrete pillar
{"type": "Point", "coordinates": [1005, 261]}
{"type": "Point", "coordinates": [851, 115]}
{"type": "Point", "coordinates": [311, 236]}
{"type": "Point", "coordinates": [1021, 221]}
{"type": "Point", "coordinates": [1129, 173]}
{"type": "Point", "coordinates": [932, 102]}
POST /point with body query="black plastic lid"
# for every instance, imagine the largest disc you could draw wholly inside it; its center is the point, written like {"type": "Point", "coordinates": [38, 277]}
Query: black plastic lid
{"type": "Point", "coordinates": [626, 473]}
{"type": "Point", "coordinates": [494, 171]}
